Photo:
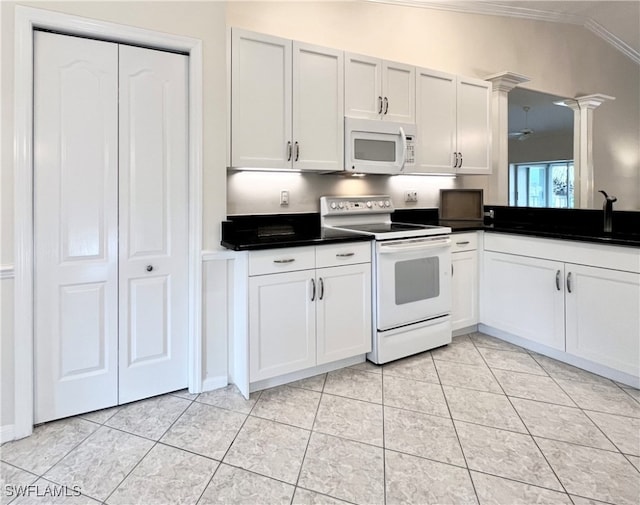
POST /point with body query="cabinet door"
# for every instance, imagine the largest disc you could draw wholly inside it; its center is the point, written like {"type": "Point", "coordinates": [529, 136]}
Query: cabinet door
{"type": "Point", "coordinates": [520, 296]}
{"type": "Point", "coordinates": [281, 324]}
{"type": "Point", "coordinates": [318, 108]}
{"type": "Point", "coordinates": [603, 316]}
{"type": "Point", "coordinates": [399, 92]}
{"type": "Point", "coordinates": [435, 121]}
{"type": "Point", "coordinates": [260, 101]}
{"type": "Point", "coordinates": [343, 312]}
{"type": "Point", "coordinates": [464, 288]}
{"type": "Point", "coordinates": [474, 126]}
{"type": "Point", "coordinates": [363, 86]}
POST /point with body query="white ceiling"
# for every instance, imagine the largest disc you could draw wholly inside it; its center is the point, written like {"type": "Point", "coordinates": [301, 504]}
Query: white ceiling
{"type": "Point", "coordinates": [617, 22]}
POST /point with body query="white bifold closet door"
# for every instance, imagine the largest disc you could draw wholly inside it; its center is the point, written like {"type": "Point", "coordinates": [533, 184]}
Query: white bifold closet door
{"type": "Point", "coordinates": [110, 224]}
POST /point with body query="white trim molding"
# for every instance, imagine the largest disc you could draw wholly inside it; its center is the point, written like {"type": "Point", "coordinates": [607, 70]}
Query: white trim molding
{"type": "Point", "coordinates": [27, 19]}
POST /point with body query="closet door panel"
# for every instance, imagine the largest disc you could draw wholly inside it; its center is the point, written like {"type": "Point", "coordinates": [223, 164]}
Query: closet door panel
{"type": "Point", "coordinates": [153, 222]}
{"type": "Point", "coordinates": [75, 225]}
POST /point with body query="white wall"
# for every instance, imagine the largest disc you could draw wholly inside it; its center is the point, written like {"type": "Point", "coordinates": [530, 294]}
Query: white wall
{"type": "Point", "coordinates": [560, 59]}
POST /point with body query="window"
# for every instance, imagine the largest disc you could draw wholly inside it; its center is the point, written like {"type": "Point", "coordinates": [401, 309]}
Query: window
{"type": "Point", "coordinates": [541, 184]}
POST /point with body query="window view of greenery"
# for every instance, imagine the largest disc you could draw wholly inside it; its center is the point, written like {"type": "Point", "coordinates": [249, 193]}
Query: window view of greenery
{"type": "Point", "coordinates": [541, 184]}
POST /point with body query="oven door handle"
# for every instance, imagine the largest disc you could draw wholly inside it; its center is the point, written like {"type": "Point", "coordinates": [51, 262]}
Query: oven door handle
{"type": "Point", "coordinates": [414, 245]}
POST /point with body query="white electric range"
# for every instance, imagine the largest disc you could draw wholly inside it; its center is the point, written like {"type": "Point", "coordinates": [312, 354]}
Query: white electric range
{"type": "Point", "coordinates": [411, 275]}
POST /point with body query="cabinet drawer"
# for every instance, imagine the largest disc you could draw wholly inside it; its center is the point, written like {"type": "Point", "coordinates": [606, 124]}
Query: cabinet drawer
{"type": "Point", "coordinates": [464, 242]}
{"type": "Point", "coordinates": [343, 254]}
{"type": "Point", "coordinates": [281, 260]}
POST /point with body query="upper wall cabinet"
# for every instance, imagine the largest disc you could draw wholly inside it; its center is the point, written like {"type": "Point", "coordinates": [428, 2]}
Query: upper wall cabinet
{"type": "Point", "coordinates": [379, 89]}
{"type": "Point", "coordinates": [453, 124]}
{"type": "Point", "coordinates": [286, 104]}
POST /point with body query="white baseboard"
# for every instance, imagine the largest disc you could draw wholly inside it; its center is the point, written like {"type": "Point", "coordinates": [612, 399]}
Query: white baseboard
{"type": "Point", "coordinates": [211, 383]}
{"type": "Point", "coordinates": [7, 433]}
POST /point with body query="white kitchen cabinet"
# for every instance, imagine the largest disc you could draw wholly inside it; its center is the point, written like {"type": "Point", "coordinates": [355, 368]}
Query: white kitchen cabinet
{"type": "Point", "coordinates": [464, 280]}
{"type": "Point", "coordinates": [287, 104]}
{"type": "Point", "coordinates": [453, 124]}
{"type": "Point", "coordinates": [379, 89]}
{"type": "Point", "coordinates": [603, 316]}
{"type": "Point", "coordinates": [308, 306]}
{"type": "Point", "coordinates": [524, 296]}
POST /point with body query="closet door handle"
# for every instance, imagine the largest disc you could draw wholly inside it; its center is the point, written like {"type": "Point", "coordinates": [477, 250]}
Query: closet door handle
{"type": "Point", "coordinates": [569, 282]}
{"type": "Point", "coordinates": [321, 289]}
{"type": "Point", "coordinates": [313, 289]}
{"type": "Point", "coordinates": [558, 280]}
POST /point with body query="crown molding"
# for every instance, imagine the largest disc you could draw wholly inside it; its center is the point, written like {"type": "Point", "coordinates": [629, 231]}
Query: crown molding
{"type": "Point", "coordinates": [514, 11]}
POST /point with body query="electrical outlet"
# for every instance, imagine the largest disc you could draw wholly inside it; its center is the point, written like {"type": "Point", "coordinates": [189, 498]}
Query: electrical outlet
{"type": "Point", "coordinates": [284, 197]}
{"type": "Point", "coordinates": [411, 195]}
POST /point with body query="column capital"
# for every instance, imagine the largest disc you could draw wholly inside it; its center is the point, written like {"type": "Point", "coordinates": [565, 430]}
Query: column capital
{"type": "Point", "coordinates": [506, 81]}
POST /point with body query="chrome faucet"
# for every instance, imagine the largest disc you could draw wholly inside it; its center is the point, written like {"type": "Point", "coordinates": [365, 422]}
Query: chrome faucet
{"type": "Point", "coordinates": [608, 211]}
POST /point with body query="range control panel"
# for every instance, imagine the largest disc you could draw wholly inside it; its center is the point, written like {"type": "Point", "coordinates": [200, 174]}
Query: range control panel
{"type": "Point", "coordinates": [336, 205]}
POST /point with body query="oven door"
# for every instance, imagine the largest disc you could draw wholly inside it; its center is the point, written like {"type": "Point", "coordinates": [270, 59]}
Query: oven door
{"type": "Point", "coordinates": [413, 280]}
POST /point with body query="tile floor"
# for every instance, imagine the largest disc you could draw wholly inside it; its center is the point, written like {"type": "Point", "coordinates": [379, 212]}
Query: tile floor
{"type": "Point", "coordinates": [478, 421]}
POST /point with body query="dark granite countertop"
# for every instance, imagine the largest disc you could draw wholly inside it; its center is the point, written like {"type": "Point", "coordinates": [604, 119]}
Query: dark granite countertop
{"type": "Point", "coordinates": [274, 231]}
{"type": "Point", "coordinates": [271, 231]}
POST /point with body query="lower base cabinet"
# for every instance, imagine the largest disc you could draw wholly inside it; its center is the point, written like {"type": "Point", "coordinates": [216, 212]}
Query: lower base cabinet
{"type": "Point", "coordinates": [302, 318]}
{"type": "Point", "coordinates": [464, 280]}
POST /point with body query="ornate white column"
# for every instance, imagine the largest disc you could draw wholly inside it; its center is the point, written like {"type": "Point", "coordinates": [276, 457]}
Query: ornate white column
{"type": "Point", "coordinates": [583, 107]}
{"type": "Point", "coordinates": [503, 83]}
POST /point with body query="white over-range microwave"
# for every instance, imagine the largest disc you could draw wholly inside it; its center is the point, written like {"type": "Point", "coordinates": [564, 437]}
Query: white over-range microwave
{"type": "Point", "coordinates": [378, 147]}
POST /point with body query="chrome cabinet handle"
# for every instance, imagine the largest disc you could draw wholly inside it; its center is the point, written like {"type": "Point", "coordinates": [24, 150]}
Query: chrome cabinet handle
{"type": "Point", "coordinates": [379, 105]}
{"type": "Point", "coordinates": [569, 282]}
{"type": "Point", "coordinates": [297, 150]}
{"type": "Point", "coordinates": [289, 151]}
{"type": "Point", "coordinates": [285, 260]}
{"type": "Point", "coordinates": [345, 255]}
{"type": "Point", "coordinates": [149, 268]}
{"type": "Point", "coordinates": [464, 242]}
{"type": "Point", "coordinates": [321, 289]}
{"type": "Point", "coordinates": [558, 280]}
{"type": "Point", "coordinates": [386, 105]}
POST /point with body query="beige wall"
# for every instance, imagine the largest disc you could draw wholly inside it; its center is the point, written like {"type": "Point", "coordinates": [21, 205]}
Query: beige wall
{"type": "Point", "coordinates": [564, 60]}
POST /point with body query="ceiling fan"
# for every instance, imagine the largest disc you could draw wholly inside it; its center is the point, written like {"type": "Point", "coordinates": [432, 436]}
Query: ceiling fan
{"type": "Point", "coordinates": [525, 132]}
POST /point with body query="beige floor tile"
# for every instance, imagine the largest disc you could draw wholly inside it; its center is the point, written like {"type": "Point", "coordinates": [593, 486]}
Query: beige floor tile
{"type": "Point", "coordinates": [513, 361]}
{"type": "Point", "coordinates": [288, 405]}
{"type": "Point", "coordinates": [184, 393]}
{"type": "Point", "coordinates": [532, 387]}
{"type": "Point", "coordinates": [415, 480]}
{"type": "Point", "coordinates": [315, 383]}
{"type": "Point", "coordinates": [635, 461]}
{"type": "Point", "coordinates": [422, 435]}
{"type": "Point", "coordinates": [414, 395]}
{"type": "Point", "coordinates": [48, 444]}
{"type": "Point", "coordinates": [633, 392]}
{"type": "Point", "coordinates": [579, 500]}
{"type": "Point", "coordinates": [149, 418]}
{"type": "Point", "coordinates": [488, 342]}
{"type": "Point", "coordinates": [459, 351]}
{"type": "Point", "coordinates": [593, 473]}
{"type": "Point", "coordinates": [560, 370]}
{"type": "Point", "coordinates": [624, 432]}
{"type": "Point", "coordinates": [467, 376]}
{"type": "Point", "coordinates": [234, 486]}
{"type": "Point", "coordinates": [505, 454]}
{"type": "Point", "coordinates": [568, 424]}
{"type": "Point", "coordinates": [367, 366]}
{"type": "Point", "coordinates": [418, 367]}
{"type": "Point", "coordinates": [12, 480]}
{"type": "Point", "coordinates": [480, 407]}
{"type": "Point", "coordinates": [165, 475]}
{"type": "Point", "coordinates": [343, 469]}
{"type": "Point", "coordinates": [600, 397]}
{"type": "Point", "coordinates": [100, 416]}
{"type": "Point", "coordinates": [229, 398]}
{"type": "Point", "coordinates": [206, 430]}
{"type": "Point", "coordinates": [101, 462]}
{"type": "Point", "coordinates": [306, 497]}
{"type": "Point", "coordinates": [498, 491]}
{"type": "Point", "coordinates": [355, 384]}
{"type": "Point", "coordinates": [269, 448]}
{"type": "Point", "coordinates": [348, 418]}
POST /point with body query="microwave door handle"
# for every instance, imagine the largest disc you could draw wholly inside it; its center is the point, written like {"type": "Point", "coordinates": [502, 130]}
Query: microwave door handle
{"type": "Point", "coordinates": [404, 148]}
